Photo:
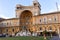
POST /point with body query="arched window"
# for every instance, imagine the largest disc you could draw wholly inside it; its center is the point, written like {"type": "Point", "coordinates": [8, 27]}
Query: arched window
{"type": "Point", "coordinates": [40, 28]}
{"type": "Point", "coordinates": [50, 28]}
{"type": "Point", "coordinates": [13, 29]}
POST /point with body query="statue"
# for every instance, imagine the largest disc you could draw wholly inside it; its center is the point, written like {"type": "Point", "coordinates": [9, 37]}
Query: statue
{"type": "Point", "coordinates": [35, 0]}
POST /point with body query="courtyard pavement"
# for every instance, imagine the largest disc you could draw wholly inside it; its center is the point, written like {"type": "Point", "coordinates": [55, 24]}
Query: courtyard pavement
{"type": "Point", "coordinates": [55, 38]}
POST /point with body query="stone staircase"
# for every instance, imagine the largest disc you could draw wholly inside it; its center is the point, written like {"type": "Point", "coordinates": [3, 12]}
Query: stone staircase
{"type": "Point", "coordinates": [23, 33]}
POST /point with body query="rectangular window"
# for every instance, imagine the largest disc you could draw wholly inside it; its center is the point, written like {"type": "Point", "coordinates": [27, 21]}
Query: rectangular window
{"type": "Point", "coordinates": [18, 7]}
{"type": "Point", "coordinates": [7, 23]}
{"type": "Point", "coordinates": [55, 19]}
{"type": "Point", "coordinates": [45, 20]}
{"type": "Point", "coordinates": [50, 20]}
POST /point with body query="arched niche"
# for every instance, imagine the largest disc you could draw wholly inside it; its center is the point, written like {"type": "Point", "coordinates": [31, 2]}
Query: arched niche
{"type": "Point", "coordinates": [25, 19]}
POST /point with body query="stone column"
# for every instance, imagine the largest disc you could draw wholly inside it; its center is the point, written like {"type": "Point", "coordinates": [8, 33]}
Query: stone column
{"type": "Point", "coordinates": [59, 31]}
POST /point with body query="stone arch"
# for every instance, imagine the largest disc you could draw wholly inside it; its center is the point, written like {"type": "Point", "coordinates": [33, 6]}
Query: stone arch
{"type": "Point", "coordinates": [51, 27]}
{"type": "Point", "coordinates": [26, 19]}
{"type": "Point", "coordinates": [26, 11]}
{"type": "Point", "coordinates": [41, 28]}
{"type": "Point", "coordinates": [51, 30]}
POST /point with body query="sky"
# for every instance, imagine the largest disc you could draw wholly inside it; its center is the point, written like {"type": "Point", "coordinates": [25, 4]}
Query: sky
{"type": "Point", "coordinates": [7, 7]}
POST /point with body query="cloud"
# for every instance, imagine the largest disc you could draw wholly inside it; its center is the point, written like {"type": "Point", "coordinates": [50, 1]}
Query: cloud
{"type": "Point", "coordinates": [3, 16]}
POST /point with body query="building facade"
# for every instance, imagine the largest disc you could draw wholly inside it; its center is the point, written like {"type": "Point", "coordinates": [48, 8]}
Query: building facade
{"type": "Point", "coordinates": [29, 18]}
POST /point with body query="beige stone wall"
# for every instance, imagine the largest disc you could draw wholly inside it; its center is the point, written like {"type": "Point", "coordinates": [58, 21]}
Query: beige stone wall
{"type": "Point", "coordinates": [49, 22]}
{"type": "Point", "coordinates": [9, 23]}
{"type": "Point", "coordinates": [37, 22]}
{"type": "Point", "coordinates": [7, 26]}
{"type": "Point", "coordinates": [9, 30]}
{"type": "Point", "coordinates": [48, 19]}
